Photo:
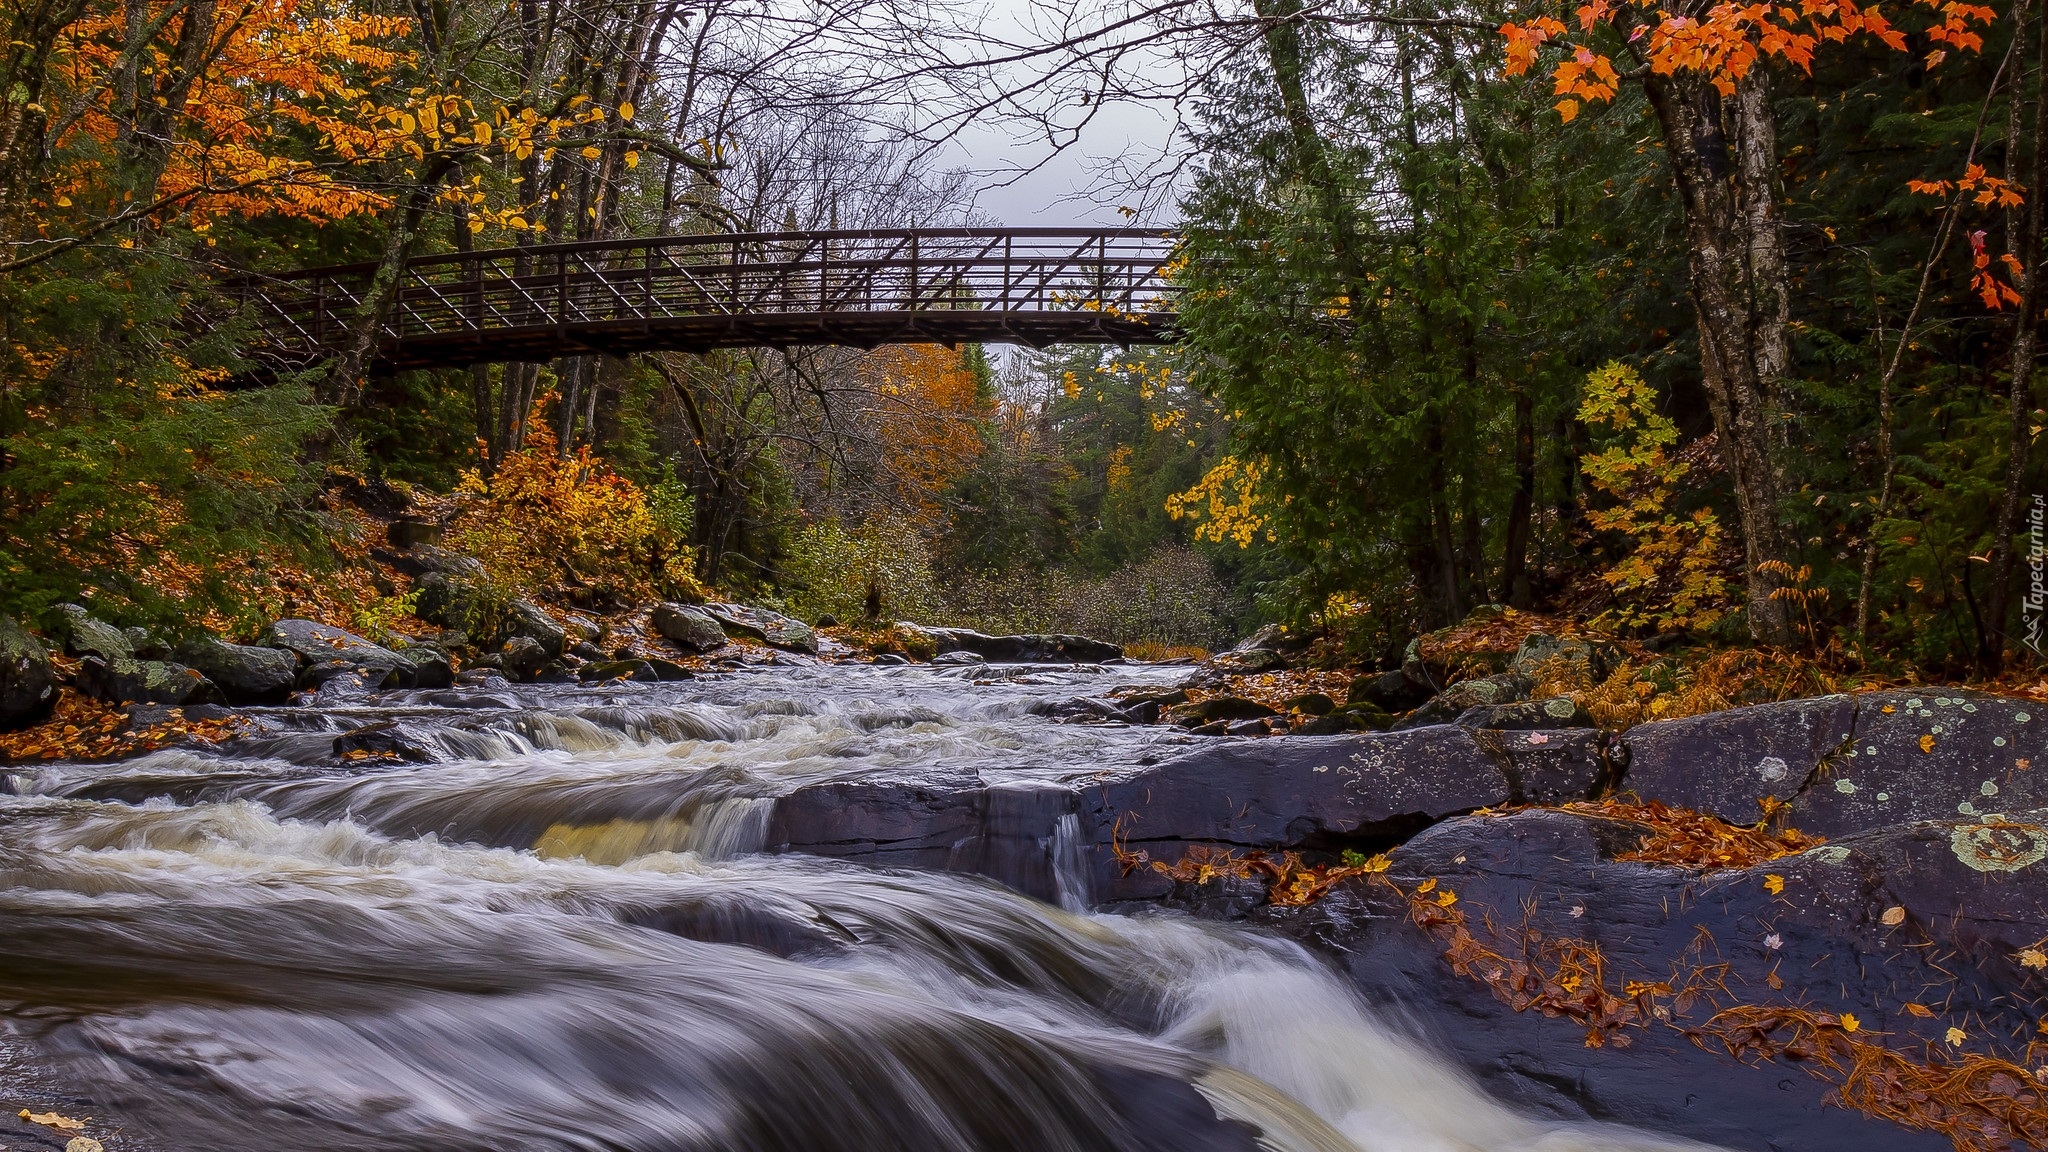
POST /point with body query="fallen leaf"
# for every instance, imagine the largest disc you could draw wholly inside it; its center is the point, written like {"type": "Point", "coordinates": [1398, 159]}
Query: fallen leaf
{"type": "Point", "coordinates": [1957, 1036]}
{"type": "Point", "coordinates": [1446, 898]}
{"type": "Point", "coordinates": [84, 1144]}
{"type": "Point", "coordinates": [1920, 1010]}
{"type": "Point", "coordinates": [1774, 981]}
{"type": "Point", "coordinates": [1850, 1023]}
{"type": "Point", "coordinates": [1428, 885]}
{"type": "Point", "coordinates": [2033, 958]}
{"type": "Point", "coordinates": [1774, 941]}
{"type": "Point", "coordinates": [1927, 743]}
{"type": "Point", "coordinates": [1774, 883]}
{"type": "Point", "coordinates": [1578, 910]}
{"type": "Point", "coordinates": [52, 1120]}
{"type": "Point", "coordinates": [1894, 916]}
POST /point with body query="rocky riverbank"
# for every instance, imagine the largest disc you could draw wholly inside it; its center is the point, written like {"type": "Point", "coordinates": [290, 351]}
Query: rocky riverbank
{"type": "Point", "coordinates": [1822, 918]}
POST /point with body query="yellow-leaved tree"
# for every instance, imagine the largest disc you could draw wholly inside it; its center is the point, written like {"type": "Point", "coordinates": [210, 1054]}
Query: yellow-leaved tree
{"type": "Point", "coordinates": [1674, 573]}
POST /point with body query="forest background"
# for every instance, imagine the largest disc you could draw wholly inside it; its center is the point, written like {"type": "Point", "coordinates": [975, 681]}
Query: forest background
{"type": "Point", "coordinates": [1711, 322]}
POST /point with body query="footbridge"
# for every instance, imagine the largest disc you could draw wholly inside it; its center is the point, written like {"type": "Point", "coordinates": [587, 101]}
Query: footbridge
{"type": "Point", "coordinates": [863, 288]}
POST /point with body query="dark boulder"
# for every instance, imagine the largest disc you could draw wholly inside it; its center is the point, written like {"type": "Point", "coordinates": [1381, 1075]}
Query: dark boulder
{"type": "Point", "coordinates": [1846, 764]}
{"type": "Point", "coordinates": [688, 627]}
{"type": "Point", "coordinates": [523, 657]}
{"type": "Point", "coordinates": [771, 628]}
{"type": "Point", "coordinates": [1244, 662]}
{"type": "Point", "coordinates": [602, 670]}
{"type": "Point", "coordinates": [1723, 763]}
{"type": "Point", "coordinates": [669, 670]}
{"type": "Point", "coordinates": [326, 652]}
{"type": "Point", "coordinates": [530, 620]}
{"type": "Point", "coordinates": [1595, 660]}
{"type": "Point", "coordinates": [425, 560]}
{"type": "Point", "coordinates": [245, 673]}
{"type": "Point", "coordinates": [27, 688]}
{"type": "Point", "coordinates": [1486, 691]}
{"type": "Point", "coordinates": [957, 659]}
{"type": "Point", "coordinates": [432, 667]}
{"type": "Point", "coordinates": [1218, 708]}
{"type": "Point", "coordinates": [1049, 648]}
{"type": "Point", "coordinates": [1387, 691]}
{"type": "Point", "coordinates": [386, 739]}
{"type": "Point", "coordinates": [1912, 930]}
{"type": "Point", "coordinates": [147, 682]}
{"type": "Point", "coordinates": [1306, 792]}
{"type": "Point", "coordinates": [1556, 712]}
{"type": "Point", "coordinates": [1935, 754]}
{"type": "Point", "coordinates": [84, 636]}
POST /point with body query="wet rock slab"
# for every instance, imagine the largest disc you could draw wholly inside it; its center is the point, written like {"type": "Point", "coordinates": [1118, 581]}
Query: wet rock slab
{"type": "Point", "coordinates": [1273, 794]}
{"type": "Point", "coordinates": [1850, 764]}
{"type": "Point", "coordinates": [1533, 885]}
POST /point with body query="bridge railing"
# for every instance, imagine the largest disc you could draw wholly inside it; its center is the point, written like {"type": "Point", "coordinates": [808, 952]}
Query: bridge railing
{"type": "Point", "coordinates": [1117, 275]}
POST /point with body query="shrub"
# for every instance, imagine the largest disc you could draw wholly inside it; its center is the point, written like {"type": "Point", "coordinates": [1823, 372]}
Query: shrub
{"type": "Point", "coordinates": [544, 521]}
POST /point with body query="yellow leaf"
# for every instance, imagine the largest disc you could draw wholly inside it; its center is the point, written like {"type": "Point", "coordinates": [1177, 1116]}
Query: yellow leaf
{"type": "Point", "coordinates": [1568, 109]}
{"type": "Point", "coordinates": [1927, 743]}
{"type": "Point", "coordinates": [1428, 885]}
{"type": "Point", "coordinates": [626, 110]}
{"type": "Point", "coordinates": [632, 159]}
{"type": "Point", "coordinates": [1893, 916]}
{"type": "Point", "coordinates": [63, 201]}
{"type": "Point", "coordinates": [1956, 1036]}
{"type": "Point", "coordinates": [592, 152]}
{"type": "Point", "coordinates": [1920, 1010]}
{"type": "Point", "coordinates": [1850, 1023]}
{"type": "Point", "coordinates": [52, 1120]}
{"type": "Point", "coordinates": [1446, 898]}
{"type": "Point", "coordinates": [2033, 958]}
{"type": "Point", "coordinates": [482, 129]}
{"type": "Point", "coordinates": [476, 225]}
{"type": "Point", "coordinates": [1774, 884]}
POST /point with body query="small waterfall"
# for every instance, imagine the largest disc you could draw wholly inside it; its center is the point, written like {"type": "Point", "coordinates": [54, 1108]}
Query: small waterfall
{"type": "Point", "coordinates": [1070, 863]}
{"type": "Point", "coordinates": [716, 830]}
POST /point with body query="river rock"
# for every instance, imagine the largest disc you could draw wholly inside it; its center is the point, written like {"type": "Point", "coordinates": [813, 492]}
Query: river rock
{"type": "Point", "coordinates": [1556, 712]}
{"type": "Point", "coordinates": [1387, 691]}
{"type": "Point", "coordinates": [688, 627]}
{"type": "Point", "coordinates": [1048, 648]}
{"type": "Point", "coordinates": [523, 656]}
{"type": "Point", "coordinates": [1934, 754]}
{"type": "Point", "coordinates": [432, 667]}
{"type": "Point", "coordinates": [766, 626]}
{"type": "Point", "coordinates": [1723, 763]}
{"type": "Point", "coordinates": [27, 688]}
{"type": "Point", "coordinates": [326, 652]}
{"type": "Point", "coordinates": [245, 673]}
{"type": "Point", "coordinates": [1595, 660]}
{"type": "Point", "coordinates": [1936, 914]}
{"type": "Point", "coordinates": [84, 636]}
{"type": "Point", "coordinates": [1847, 764]}
{"type": "Point", "coordinates": [1485, 691]}
{"type": "Point", "coordinates": [1218, 708]}
{"type": "Point", "coordinates": [598, 671]}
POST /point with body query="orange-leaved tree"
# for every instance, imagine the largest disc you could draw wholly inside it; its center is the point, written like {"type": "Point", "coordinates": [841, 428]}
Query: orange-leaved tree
{"type": "Point", "coordinates": [1707, 68]}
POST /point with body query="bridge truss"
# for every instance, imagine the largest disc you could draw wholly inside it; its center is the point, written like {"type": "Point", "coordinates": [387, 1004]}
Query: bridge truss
{"type": "Point", "coordinates": [1034, 286]}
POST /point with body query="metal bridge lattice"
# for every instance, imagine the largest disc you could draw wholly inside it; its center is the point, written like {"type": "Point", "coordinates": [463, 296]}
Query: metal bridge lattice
{"type": "Point", "coordinates": [1033, 286]}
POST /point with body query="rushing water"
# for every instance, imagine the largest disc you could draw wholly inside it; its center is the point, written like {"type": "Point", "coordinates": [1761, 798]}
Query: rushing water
{"type": "Point", "coordinates": [559, 935]}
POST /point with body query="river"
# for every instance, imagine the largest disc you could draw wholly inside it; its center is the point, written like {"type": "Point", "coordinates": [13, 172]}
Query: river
{"type": "Point", "coordinates": [560, 933]}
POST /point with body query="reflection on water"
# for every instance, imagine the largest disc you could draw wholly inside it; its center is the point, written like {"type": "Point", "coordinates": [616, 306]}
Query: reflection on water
{"type": "Point", "coordinates": [557, 934]}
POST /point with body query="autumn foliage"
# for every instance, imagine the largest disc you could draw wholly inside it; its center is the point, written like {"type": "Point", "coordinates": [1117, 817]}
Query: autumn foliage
{"type": "Point", "coordinates": [569, 523]}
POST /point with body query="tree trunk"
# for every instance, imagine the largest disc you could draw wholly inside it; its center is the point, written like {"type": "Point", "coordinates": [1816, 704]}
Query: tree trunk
{"type": "Point", "coordinates": [1514, 581]}
{"type": "Point", "coordinates": [1724, 160]}
{"type": "Point", "coordinates": [1998, 598]}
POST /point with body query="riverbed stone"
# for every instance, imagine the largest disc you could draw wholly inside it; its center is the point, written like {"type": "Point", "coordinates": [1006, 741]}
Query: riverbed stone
{"type": "Point", "coordinates": [1031, 648]}
{"type": "Point", "coordinates": [245, 673]}
{"type": "Point", "coordinates": [1937, 914]}
{"type": "Point", "coordinates": [326, 652]}
{"type": "Point", "coordinates": [688, 627]}
{"type": "Point", "coordinates": [1724, 763]}
{"type": "Point", "coordinates": [771, 628]}
{"type": "Point", "coordinates": [27, 688]}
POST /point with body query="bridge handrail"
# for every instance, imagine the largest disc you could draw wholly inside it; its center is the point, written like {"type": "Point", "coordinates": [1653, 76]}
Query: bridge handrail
{"type": "Point", "coordinates": [723, 240]}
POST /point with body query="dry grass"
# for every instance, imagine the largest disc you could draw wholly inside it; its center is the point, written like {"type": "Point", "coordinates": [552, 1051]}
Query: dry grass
{"type": "Point", "coordinates": [1151, 650]}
